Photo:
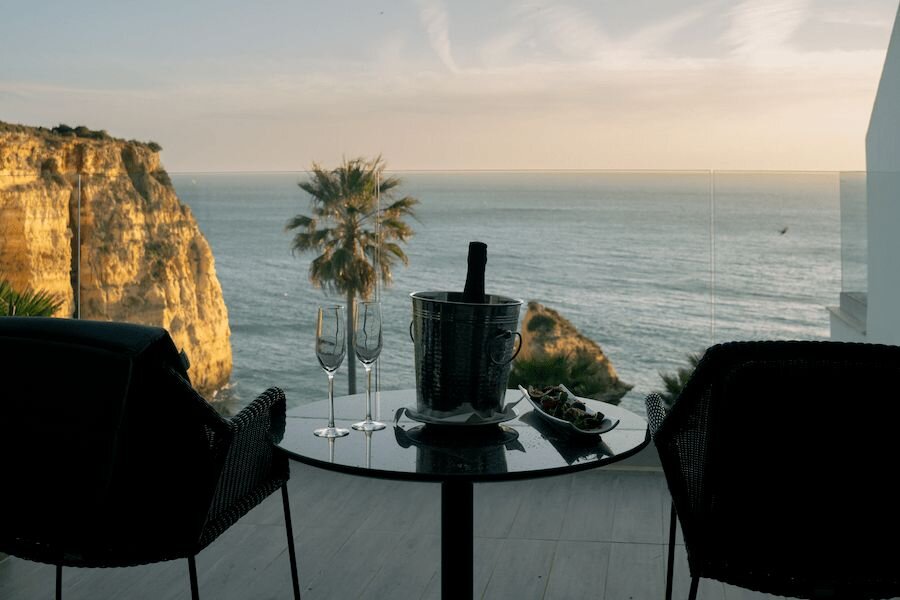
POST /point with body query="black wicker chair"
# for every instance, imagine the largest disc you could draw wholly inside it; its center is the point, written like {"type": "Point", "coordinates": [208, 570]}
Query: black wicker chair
{"type": "Point", "coordinates": [111, 459]}
{"type": "Point", "coordinates": [782, 461]}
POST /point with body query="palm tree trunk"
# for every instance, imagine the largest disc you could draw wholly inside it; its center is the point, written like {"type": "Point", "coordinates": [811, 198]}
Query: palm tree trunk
{"type": "Point", "coordinates": [351, 353]}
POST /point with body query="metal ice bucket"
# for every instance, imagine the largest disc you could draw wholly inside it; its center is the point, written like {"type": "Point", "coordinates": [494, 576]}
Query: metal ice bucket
{"type": "Point", "coordinates": [463, 351]}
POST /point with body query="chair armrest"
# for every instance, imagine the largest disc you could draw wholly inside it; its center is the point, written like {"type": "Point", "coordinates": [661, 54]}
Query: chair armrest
{"type": "Point", "coordinates": [252, 468]}
{"type": "Point", "coordinates": [656, 412]}
{"type": "Point", "coordinates": [266, 411]}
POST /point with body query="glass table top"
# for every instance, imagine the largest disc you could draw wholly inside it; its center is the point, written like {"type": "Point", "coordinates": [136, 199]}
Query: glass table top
{"type": "Point", "coordinates": [524, 447]}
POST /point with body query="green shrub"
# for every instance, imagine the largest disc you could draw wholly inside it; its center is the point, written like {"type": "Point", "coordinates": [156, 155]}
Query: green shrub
{"type": "Point", "coordinates": [583, 375]}
{"type": "Point", "coordinates": [154, 146]}
{"type": "Point", "coordinates": [162, 177]}
{"type": "Point", "coordinates": [541, 322]}
{"type": "Point", "coordinates": [27, 303]}
{"type": "Point", "coordinates": [675, 382]}
{"type": "Point", "coordinates": [81, 131]}
{"type": "Point", "coordinates": [63, 129]}
{"type": "Point", "coordinates": [540, 371]}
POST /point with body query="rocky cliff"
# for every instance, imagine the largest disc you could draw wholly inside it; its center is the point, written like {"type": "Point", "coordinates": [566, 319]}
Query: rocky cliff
{"type": "Point", "coordinates": [546, 334]}
{"type": "Point", "coordinates": [142, 256]}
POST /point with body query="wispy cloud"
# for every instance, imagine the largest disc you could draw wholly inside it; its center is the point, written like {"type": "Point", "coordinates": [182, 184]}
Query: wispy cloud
{"type": "Point", "coordinates": [761, 30]}
{"type": "Point", "coordinates": [574, 31]}
{"type": "Point", "coordinates": [651, 40]}
{"type": "Point", "coordinates": [856, 14]}
{"type": "Point", "coordinates": [559, 35]}
{"type": "Point", "coordinates": [433, 15]}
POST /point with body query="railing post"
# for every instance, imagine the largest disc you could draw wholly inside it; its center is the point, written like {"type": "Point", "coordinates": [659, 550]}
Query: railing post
{"type": "Point", "coordinates": [78, 254]}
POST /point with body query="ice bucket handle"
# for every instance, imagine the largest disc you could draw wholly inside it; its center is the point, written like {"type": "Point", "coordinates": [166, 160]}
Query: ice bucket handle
{"type": "Point", "coordinates": [502, 335]}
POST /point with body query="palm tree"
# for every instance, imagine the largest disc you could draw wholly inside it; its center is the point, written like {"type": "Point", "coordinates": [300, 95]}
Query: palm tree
{"type": "Point", "coordinates": [352, 236]}
{"type": "Point", "coordinates": [27, 303]}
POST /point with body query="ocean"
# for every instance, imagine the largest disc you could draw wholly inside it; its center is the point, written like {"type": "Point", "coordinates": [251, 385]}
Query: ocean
{"type": "Point", "coordinates": [650, 265]}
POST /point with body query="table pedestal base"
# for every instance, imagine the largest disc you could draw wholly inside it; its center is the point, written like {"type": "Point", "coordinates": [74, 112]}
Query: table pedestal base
{"type": "Point", "coordinates": [457, 539]}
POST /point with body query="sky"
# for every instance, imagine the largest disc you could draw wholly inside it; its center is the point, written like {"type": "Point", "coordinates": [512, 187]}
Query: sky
{"type": "Point", "coordinates": [456, 84]}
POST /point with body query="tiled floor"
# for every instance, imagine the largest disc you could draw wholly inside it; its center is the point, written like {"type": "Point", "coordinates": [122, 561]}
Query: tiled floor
{"type": "Point", "coordinates": [598, 534]}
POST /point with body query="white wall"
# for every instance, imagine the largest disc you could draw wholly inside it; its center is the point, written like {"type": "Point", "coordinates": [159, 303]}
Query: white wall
{"type": "Point", "coordinates": [843, 331]}
{"type": "Point", "coordinates": [883, 190]}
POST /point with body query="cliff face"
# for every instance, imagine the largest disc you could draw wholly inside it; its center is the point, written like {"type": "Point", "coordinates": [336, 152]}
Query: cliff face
{"type": "Point", "coordinates": [142, 256]}
{"type": "Point", "coordinates": [546, 333]}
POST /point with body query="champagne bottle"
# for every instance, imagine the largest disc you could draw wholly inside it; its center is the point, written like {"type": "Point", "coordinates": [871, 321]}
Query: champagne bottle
{"type": "Point", "coordinates": [474, 290]}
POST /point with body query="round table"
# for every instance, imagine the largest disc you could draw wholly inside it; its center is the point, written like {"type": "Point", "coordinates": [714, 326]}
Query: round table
{"type": "Point", "coordinates": [456, 456]}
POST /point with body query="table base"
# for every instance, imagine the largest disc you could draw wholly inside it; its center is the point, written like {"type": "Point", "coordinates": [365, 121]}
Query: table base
{"type": "Point", "coordinates": [457, 539]}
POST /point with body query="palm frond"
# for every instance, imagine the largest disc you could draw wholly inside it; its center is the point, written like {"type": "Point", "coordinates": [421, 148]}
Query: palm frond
{"type": "Point", "coordinates": [28, 302]}
{"type": "Point", "coordinates": [394, 250]}
{"type": "Point", "coordinates": [403, 206]}
{"type": "Point", "coordinates": [673, 383]}
{"type": "Point", "coordinates": [395, 229]}
{"type": "Point", "coordinates": [298, 221]}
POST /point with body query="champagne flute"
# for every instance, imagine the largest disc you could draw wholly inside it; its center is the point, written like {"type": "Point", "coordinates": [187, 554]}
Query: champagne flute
{"type": "Point", "coordinates": [331, 346]}
{"type": "Point", "coordinates": [367, 341]}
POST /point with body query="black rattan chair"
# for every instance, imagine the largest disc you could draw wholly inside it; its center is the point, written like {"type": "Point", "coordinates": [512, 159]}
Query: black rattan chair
{"type": "Point", "coordinates": [112, 459]}
{"type": "Point", "coordinates": [781, 459]}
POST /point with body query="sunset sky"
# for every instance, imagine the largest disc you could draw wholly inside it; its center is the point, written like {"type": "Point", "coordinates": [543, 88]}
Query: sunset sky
{"type": "Point", "coordinates": [432, 84]}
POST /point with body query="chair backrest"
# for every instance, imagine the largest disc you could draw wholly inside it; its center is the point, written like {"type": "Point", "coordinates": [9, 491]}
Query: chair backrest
{"type": "Point", "coordinates": [781, 458]}
{"type": "Point", "coordinates": [106, 459]}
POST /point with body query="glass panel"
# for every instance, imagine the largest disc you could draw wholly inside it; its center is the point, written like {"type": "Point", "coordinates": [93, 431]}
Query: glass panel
{"type": "Point", "coordinates": [623, 256]}
{"type": "Point", "coordinates": [854, 243]}
{"type": "Point", "coordinates": [271, 305]}
{"type": "Point", "coordinates": [777, 254]}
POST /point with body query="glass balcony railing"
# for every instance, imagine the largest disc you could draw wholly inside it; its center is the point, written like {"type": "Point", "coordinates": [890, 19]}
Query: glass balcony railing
{"type": "Point", "coordinates": [650, 265]}
{"type": "Point", "coordinates": [854, 238]}
{"type": "Point", "coordinates": [776, 245]}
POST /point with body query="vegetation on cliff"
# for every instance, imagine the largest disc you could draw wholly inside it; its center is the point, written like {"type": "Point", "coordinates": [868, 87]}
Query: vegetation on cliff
{"type": "Point", "coordinates": [351, 234]}
{"type": "Point", "coordinates": [554, 352]}
{"type": "Point", "coordinates": [79, 131]}
{"type": "Point", "coordinates": [581, 374]}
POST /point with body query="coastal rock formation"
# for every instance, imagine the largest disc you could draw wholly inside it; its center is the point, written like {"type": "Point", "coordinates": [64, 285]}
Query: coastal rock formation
{"type": "Point", "coordinates": [143, 258]}
{"type": "Point", "coordinates": [547, 334]}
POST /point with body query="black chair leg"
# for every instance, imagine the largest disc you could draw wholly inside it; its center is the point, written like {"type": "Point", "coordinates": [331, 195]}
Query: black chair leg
{"type": "Point", "coordinates": [58, 582]}
{"type": "Point", "coordinates": [192, 567]}
{"type": "Point", "coordinates": [670, 569]}
{"type": "Point", "coordinates": [695, 582]}
{"type": "Point", "coordinates": [295, 579]}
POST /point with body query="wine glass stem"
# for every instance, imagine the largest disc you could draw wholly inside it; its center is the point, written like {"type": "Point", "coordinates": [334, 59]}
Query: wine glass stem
{"type": "Point", "coordinates": [331, 399]}
{"type": "Point", "coordinates": [368, 392]}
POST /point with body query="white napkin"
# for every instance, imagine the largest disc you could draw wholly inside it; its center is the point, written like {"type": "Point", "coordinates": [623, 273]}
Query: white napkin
{"type": "Point", "coordinates": [467, 414]}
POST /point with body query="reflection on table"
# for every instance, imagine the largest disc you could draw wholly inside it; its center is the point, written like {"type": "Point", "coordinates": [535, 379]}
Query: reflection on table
{"type": "Point", "coordinates": [523, 447]}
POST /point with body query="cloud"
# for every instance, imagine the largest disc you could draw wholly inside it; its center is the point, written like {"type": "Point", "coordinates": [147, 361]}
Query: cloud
{"type": "Point", "coordinates": [551, 67]}
{"type": "Point", "coordinates": [501, 47]}
{"type": "Point", "coordinates": [761, 30]}
{"type": "Point", "coordinates": [571, 30]}
{"type": "Point", "coordinates": [651, 38]}
{"type": "Point", "coordinates": [433, 15]}
{"type": "Point", "coordinates": [857, 14]}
